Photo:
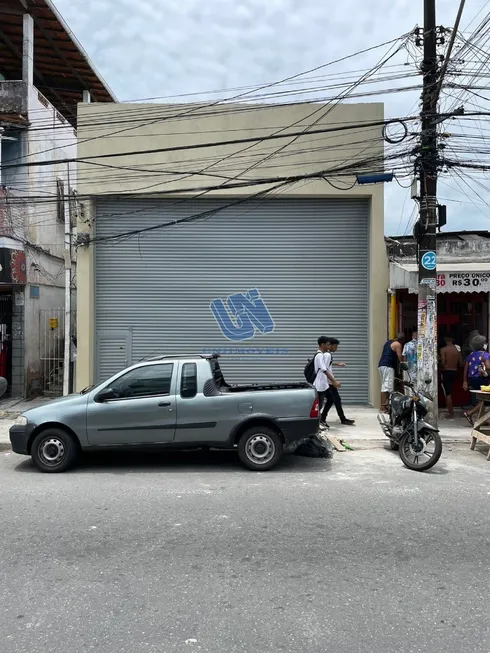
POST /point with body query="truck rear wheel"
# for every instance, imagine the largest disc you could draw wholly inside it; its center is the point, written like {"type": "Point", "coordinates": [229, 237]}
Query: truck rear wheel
{"type": "Point", "coordinates": [260, 448]}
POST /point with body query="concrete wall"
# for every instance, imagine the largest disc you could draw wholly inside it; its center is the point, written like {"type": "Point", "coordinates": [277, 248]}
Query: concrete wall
{"type": "Point", "coordinates": [13, 96]}
{"type": "Point", "coordinates": [50, 138]}
{"type": "Point", "coordinates": [105, 129]}
{"type": "Point", "coordinates": [124, 128]}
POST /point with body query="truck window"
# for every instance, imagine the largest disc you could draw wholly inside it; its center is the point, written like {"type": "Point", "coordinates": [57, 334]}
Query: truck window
{"type": "Point", "coordinates": [217, 373]}
{"type": "Point", "coordinates": [188, 382]}
{"type": "Point", "coordinates": [145, 381]}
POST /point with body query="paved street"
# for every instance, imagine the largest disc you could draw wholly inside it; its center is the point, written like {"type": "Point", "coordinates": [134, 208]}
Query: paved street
{"type": "Point", "coordinates": [178, 553]}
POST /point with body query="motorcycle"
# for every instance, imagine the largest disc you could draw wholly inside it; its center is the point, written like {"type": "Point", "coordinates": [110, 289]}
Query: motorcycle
{"type": "Point", "coordinates": [418, 442]}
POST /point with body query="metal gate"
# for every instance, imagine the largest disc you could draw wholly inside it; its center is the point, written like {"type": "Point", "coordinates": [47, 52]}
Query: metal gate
{"type": "Point", "coordinates": [258, 283]}
{"type": "Point", "coordinates": [52, 331]}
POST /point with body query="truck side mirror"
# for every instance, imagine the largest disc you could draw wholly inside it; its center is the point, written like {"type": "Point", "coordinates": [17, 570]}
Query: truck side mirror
{"type": "Point", "coordinates": [105, 395]}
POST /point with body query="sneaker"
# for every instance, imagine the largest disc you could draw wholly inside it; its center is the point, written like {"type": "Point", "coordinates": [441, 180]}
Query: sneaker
{"type": "Point", "coordinates": [324, 426]}
{"type": "Point", "coordinates": [348, 422]}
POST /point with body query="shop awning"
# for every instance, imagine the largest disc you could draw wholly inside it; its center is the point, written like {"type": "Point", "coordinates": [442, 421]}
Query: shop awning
{"type": "Point", "coordinates": [451, 277]}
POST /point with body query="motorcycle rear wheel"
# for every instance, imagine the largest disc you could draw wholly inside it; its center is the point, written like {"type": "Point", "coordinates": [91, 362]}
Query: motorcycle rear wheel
{"type": "Point", "coordinates": [426, 456]}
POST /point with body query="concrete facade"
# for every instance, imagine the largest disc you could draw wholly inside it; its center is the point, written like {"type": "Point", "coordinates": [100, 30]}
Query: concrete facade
{"type": "Point", "coordinates": [37, 194]}
{"type": "Point", "coordinates": [112, 133]}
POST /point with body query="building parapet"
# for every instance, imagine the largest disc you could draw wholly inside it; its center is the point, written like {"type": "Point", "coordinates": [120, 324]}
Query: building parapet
{"type": "Point", "coordinates": [13, 97]}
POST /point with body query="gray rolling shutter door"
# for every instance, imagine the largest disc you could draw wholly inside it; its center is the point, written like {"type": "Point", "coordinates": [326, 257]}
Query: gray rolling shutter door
{"type": "Point", "coordinates": [183, 289]}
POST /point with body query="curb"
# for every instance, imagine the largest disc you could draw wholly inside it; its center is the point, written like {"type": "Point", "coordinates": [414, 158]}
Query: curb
{"type": "Point", "coordinates": [384, 444]}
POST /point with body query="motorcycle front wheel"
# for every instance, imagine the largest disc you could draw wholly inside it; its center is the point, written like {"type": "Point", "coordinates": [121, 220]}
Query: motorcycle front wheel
{"type": "Point", "coordinates": [425, 455]}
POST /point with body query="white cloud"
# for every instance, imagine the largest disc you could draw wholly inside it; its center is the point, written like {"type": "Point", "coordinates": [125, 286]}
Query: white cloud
{"type": "Point", "coordinates": [148, 48]}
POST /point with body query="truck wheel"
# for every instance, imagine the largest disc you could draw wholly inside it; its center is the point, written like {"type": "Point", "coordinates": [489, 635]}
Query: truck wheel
{"type": "Point", "coordinates": [260, 448]}
{"type": "Point", "coordinates": [54, 451]}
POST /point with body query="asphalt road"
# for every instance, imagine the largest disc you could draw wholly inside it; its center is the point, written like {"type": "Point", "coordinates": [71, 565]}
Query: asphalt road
{"type": "Point", "coordinates": [181, 553]}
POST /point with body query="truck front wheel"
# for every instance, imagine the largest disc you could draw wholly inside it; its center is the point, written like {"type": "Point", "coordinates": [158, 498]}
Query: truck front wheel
{"type": "Point", "coordinates": [260, 448]}
{"type": "Point", "coordinates": [54, 451]}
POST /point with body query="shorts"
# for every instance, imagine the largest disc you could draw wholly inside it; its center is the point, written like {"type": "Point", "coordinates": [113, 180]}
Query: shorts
{"type": "Point", "coordinates": [387, 378]}
{"type": "Point", "coordinates": [475, 383]}
{"type": "Point", "coordinates": [448, 377]}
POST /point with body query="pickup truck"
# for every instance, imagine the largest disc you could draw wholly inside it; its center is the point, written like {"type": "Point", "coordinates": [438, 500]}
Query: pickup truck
{"type": "Point", "coordinates": [169, 402]}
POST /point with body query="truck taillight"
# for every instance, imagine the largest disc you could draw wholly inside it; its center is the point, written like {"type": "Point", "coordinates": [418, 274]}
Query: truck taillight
{"type": "Point", "coordinates": [314, 409]}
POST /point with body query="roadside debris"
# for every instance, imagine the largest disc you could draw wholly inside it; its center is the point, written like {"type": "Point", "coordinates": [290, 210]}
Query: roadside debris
{"type": "Point", "coordinates": [315, 447]}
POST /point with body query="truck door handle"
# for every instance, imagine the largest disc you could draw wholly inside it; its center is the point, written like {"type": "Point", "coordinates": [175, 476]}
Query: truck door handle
{"type": "Point", "coordinates": [164, 403]}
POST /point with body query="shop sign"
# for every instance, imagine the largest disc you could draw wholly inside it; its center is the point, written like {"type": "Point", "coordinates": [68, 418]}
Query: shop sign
{"type": "Point", "coordinates": [463, 282]}
{"type": "Point", "coordinates": [241, 316]}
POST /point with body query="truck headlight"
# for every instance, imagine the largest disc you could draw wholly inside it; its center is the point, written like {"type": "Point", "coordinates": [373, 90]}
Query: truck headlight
{"type": "Point", "coordinates": [21, 420]}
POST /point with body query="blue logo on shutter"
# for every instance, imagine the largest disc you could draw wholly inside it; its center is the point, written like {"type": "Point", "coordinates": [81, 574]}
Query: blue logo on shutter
{"type": "Point", "coordinates": [242, 315]}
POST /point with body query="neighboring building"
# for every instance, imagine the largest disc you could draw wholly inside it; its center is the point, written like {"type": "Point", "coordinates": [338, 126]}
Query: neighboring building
{"type": "Point", "coordinates": [257, 279]}
{"type": "Point", "coordinates": [463, 287]}
{"type": "Point", "coordinates": [44, 74]}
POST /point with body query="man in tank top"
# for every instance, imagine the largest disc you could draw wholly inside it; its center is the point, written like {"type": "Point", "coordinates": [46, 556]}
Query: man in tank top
{"type": "Point", "coordinates": [391, 356]}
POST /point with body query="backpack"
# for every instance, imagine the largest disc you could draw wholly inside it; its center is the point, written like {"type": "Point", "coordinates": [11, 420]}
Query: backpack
{"type": "Point", "coordinates": [309, 371]}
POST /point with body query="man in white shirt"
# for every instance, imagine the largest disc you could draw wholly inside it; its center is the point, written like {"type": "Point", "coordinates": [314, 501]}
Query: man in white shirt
{"type": "Point", "coordinates": [335, 385]}
{"type": "Point", "coordinates": [323, 379]}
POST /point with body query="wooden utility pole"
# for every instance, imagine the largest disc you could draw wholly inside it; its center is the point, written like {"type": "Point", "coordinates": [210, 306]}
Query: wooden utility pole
{"type": "Point", "coordinates": [427, 225]}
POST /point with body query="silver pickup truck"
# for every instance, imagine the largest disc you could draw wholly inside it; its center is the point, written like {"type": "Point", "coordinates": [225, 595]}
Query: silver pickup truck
{"type": "Point", "coordinates": [178, 402]}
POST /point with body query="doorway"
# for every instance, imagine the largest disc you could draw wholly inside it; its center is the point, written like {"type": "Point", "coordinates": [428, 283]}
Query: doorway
{"type": "Point", "coordinates": [6, 338]}
{"type": "Point", "coordinates": [458, 314]}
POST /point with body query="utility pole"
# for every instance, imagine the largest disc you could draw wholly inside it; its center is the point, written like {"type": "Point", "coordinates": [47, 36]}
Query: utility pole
{"type": "Point", "coordinates": [427, 225]}
{"type": "Point", "coordinates": [67, 252]}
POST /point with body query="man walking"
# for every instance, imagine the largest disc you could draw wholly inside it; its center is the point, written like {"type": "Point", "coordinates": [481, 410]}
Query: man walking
{"type": "Point", "coordinates": [450, 361]}
{"type": "Point", "coordinates": [334, 388]}
{"type": "Point", "coordinates": [391, 356]}
{"type": "Point", "coordinates": [323, 379]}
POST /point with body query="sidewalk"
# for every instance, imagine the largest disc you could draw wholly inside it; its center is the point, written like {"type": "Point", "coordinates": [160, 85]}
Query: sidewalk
{"type": "Point", "coordinates": [12, 407]}
{"type": "Point", "coordinates": [367, 431]}
{"type": "Point", "coordinates": [365, 434]}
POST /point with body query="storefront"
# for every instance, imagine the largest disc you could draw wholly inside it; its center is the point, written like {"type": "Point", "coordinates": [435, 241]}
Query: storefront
{"type": "Point", "coordinates": [252, 272]}
{"type": "Point", "coordinates": [249, 293]}
{"type": "Point", "coordinates": [462, 306]}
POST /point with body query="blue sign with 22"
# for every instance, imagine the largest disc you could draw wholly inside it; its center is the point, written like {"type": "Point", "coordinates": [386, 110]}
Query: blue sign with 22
{"type": "Point", "coordinates": [429, 261]}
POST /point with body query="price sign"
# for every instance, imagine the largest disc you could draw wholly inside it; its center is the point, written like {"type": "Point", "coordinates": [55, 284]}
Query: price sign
{"type": "Point", "coordinates": [463, 282]}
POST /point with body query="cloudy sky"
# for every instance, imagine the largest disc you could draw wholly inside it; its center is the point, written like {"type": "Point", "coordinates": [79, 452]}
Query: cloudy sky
{"type": "Point", "coordinates": [161, 48]}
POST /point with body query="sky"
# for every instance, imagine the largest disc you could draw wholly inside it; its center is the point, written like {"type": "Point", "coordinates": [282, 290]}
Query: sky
{"type": "Point", "coordinates": [160, 48]}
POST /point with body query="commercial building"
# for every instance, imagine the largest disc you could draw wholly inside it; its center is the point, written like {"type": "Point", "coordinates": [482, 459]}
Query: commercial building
{"type": "Point", "coordinates": [463, 287]}
{"type": "Point", "coordinates": [44, 73]}
{"type": "Point", "coordinates": [189, 242]}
